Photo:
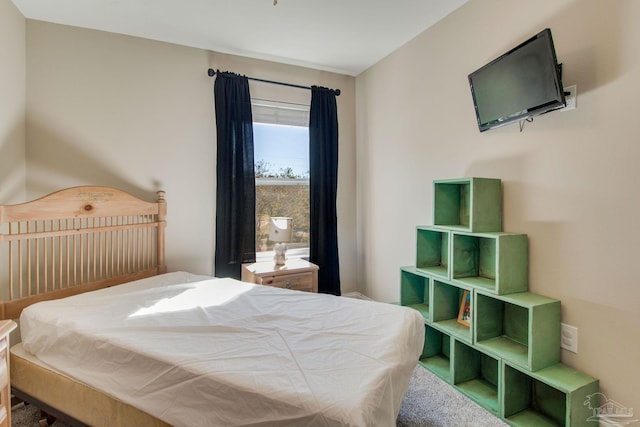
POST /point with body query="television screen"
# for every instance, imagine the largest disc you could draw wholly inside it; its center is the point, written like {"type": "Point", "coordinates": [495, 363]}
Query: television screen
{"type": "Point", "coordinates": [522, 83]}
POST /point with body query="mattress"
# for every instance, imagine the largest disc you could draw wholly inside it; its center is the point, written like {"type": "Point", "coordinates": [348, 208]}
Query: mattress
{"type": "Point", "coordinates": [80, 404]}
{"type": "Point", "coordinates": [199, 351]}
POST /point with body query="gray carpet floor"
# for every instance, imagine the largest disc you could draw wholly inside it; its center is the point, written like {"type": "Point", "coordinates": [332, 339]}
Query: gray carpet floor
{"type": "Point", "coordinates": [429, 402]}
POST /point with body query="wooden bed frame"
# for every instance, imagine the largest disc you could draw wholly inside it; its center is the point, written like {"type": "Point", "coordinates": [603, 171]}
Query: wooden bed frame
{"type": "Point", "coordinates": [69, 242]}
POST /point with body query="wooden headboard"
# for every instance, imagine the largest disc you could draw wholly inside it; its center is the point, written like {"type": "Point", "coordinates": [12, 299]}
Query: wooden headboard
{"type": "Point", "coordinates": [77, 240]}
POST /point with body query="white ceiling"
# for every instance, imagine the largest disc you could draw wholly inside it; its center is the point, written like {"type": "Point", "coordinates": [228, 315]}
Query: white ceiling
{"type": "Point", "coordinates": [343, 36]}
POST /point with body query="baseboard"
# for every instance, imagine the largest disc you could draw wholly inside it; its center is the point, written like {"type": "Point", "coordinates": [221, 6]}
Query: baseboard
{"type": "Point", "coordinates": [356, 295]}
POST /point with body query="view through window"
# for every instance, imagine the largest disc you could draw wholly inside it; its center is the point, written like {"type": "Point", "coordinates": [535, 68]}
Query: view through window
{"type": "Point", "coordinates": [281, 155]}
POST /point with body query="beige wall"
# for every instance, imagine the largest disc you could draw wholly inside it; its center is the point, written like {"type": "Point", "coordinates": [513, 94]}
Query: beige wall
{"type": "Point", "coordinates": [12, 104]}
{"type": "Point", "coordinates": [570, 179]}
{"type": "Point", "coordinates": [138, 115]}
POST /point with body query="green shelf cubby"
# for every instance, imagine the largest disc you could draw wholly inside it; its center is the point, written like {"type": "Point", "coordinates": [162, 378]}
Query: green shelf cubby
{"type": "Point", "coordinates": [523, 328]}
{"type": "Point", "coordinates": [553, 396]}
{"type": "Point", "coordinates": [446, 301]}
{"type": "Point", "coordinates": [468, 204]}
{"type": "Point", "coordinates": [414, 290]}
{"type": "Point", "coordinates": [477, 375]}
{"type": "Point", "coordinates": [432, 251]}
{"type": "Point", "coordinates": [436, 353]}
{"type": "Point", "coordinates": [496, 262]}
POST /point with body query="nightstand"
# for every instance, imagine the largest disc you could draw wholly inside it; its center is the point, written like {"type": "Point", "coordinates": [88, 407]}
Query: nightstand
{"type": "Point", "coordinates": [296, 274]}
{"type": "Point", "coordinates": [6, 326]}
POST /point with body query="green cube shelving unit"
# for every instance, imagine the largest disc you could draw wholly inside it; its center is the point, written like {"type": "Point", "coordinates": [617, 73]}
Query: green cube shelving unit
{"type": "Point", "coordinates": [496, 262]}
{"type": "Point", "coordinates": [477, 375]}
{"type": "Point", "coordinates": [507, 358]}
{"type": "Point", "coordinates": [468, 204]}
{"type": "Point", "coordinates": [523, 328]}
{"type": "Point", "coordinates": [415, 290]}
{"type": "Point", "coordinates": [553, 396]}
{"type": "Point", "coordinates": [432, 251]}
{"type": "Point", "coordinates": [446, 301]}
{"type": "Point", "coordinates": [436, 353]}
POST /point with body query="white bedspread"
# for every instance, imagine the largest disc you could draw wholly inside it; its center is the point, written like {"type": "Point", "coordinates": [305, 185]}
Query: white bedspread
{"type": "Point", "coordinates": [197, 351]}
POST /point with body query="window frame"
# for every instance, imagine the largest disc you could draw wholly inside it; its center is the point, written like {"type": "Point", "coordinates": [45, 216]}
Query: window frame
{"type": "Point", "coordinates": [284, 114]}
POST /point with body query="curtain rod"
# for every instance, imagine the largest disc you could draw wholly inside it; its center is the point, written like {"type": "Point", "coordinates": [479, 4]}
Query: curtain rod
{"type": "Point", "coordinates": [213, 72]}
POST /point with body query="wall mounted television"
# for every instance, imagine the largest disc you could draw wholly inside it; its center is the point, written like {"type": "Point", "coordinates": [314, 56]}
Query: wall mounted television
{"type": "Point", "coordinates": [522, 83]}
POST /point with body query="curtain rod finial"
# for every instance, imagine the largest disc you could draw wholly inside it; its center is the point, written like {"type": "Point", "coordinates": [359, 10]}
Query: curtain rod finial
{"type": "Point", "coordinates": [211, 72]}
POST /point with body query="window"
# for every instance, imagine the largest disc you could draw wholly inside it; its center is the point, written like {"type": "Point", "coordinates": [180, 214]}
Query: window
{"type": "Point", "coordinates": [281, 155]}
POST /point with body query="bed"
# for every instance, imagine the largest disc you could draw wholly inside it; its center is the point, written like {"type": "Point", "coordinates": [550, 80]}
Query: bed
{"type": "Point", "coordinates": [110, 338]}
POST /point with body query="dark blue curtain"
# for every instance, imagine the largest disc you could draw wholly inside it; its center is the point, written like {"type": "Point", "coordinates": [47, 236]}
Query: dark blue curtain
{"type": "Point", "coordinates": [235, 192]}
{"type": "Point", "coordinates": [323, 186]}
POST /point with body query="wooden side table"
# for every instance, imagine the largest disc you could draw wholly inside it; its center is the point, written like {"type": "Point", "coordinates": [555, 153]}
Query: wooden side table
{"type": "Point", "coordinates": [296, 274]}
{"type": "Point", "coordinates": [6, 326]}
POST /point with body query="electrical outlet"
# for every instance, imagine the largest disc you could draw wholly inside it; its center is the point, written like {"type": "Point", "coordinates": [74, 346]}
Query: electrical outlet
{"type": "Point", "coordinates": [572, 99]}
{"type": "Point", "coordinates": [569, 337]}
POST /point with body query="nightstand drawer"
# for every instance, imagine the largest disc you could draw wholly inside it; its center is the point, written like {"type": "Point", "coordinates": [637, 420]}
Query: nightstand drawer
{"type": "Point", "coordinates": [298, 282]}
{"type": "Point", "coordinates": [296, 274]}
